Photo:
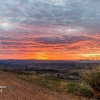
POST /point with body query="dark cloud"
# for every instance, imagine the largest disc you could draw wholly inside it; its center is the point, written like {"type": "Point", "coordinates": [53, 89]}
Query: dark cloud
{"type": "Point", "coordinates": [50, 40]}
{"type": "Point", "coordinates": [65, 39]}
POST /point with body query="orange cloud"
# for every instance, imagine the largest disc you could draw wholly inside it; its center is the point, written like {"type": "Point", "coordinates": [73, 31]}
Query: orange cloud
{"type": "Point", "coordinates": [50, 47]}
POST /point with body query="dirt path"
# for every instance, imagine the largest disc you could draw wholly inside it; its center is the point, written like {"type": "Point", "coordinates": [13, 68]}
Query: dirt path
{"type": "Point", "coordinates": [17, 89]}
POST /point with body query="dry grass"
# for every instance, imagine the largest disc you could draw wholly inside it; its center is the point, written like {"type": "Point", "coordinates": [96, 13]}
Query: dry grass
{"type": "Point", "coordinates": [76, 87]}
{"type": "Point", "coordinates": [17, 89]}
{"type": "Point", "coordinates": [92, 77]}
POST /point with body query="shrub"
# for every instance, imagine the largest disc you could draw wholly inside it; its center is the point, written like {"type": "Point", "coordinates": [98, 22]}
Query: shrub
{"type": "Point", "coordinates": [85, 91]}
{"type": "Point", "coordinates": [92, 77]}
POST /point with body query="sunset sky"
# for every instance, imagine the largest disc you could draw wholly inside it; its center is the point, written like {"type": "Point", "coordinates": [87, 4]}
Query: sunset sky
{"type": "Point", "coordinates": [49, 29]}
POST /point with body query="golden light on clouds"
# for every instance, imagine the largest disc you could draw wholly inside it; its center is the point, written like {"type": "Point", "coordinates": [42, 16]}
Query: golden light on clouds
{"type": "Point", "coordinates": [91, 56]}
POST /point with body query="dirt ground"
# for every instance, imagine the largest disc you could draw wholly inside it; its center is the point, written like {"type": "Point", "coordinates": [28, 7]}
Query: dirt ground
{"type": "Point", "coordinates": [17, 89]}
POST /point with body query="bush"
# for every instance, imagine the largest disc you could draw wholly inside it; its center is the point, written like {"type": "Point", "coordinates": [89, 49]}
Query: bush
{"type": "Point", "coordinates": [92, 77]}
{"type": "Point", "coordinates": [86, 92]}
{"type": "Point", "coordinates": [79, 90]}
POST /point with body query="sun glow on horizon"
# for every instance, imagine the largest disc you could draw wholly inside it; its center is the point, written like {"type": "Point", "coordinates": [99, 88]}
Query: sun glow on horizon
{"type": "Point", "coordinates": [41, 56]}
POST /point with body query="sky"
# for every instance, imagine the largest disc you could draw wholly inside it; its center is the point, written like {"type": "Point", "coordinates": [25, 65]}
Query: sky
{"type": "Point", "coordinates": [49, 29]}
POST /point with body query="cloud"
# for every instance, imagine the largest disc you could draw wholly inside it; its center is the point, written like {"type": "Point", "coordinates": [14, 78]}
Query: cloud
{"type": "Point", "coordinates": [50, 40]}
{"type": "Point", "coordinates": [67, 43]}
{"type": "Point", "coordinates": [30, 26]}
{"type": "Point", "coordinates": [56, 12]}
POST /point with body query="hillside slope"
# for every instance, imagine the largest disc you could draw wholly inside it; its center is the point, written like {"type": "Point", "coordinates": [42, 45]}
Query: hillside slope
{"type": "Point", "coordinates": [17, 89]}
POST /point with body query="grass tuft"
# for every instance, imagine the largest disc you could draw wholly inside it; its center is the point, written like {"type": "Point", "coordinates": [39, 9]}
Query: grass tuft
{"type": "Point", "coordinates": [92, 77]}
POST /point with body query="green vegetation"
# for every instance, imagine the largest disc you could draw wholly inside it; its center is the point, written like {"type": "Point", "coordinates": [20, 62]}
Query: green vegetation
{"type": "Point", "coordinates": [76, 87]}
